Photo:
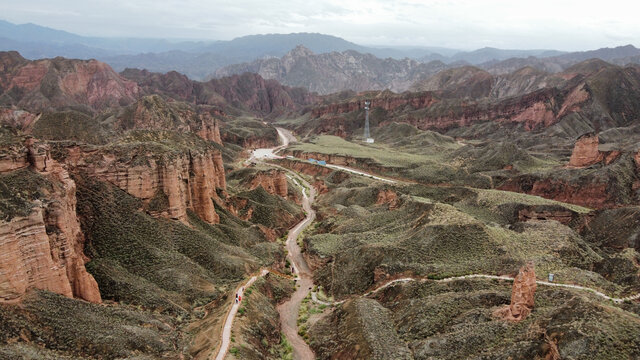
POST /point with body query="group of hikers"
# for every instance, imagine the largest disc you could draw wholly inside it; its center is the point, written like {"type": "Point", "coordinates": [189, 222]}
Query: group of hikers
{"type": "Point", "coordinates": [239, 293]}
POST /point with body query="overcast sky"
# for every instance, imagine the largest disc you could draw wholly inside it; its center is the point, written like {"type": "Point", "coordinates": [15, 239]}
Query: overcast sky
{"type": "Point", "coordinates": [461, 24]}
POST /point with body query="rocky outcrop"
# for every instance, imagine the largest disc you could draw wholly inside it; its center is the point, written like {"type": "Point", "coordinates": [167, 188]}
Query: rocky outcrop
{"type": "Point", "coordinates": [168, 185]}
{"type": "Point", "coordinates": [60, 83]}
{"type": "Point", "coordinates": [155, 113]}
{"type": "Point", "coordinates": [389, 197]}
{"type": "Point", "coordinates": [250, 142]}
{"type": "Point", "coordinates": [304, 167]}
{"type": "Point", "coordinates": [321, 187]}
{"type": "Point", "coordinates": [594, 195]}
{"type": "Point", "coordinates": [246, 91]}
{"type": "Point", "coordinates": [19, 119]}
{"type": "Point", "coordinates": [366, 164]}
{"type": "Point", "coordinates": [585, 152]}
{"type": "Point", "coordinates": [273, 181]}
{"type": "Point", "coordinates": [383, 100]}
{"type": "Point", "coordinates": [45, 249]}
{"type": "Point", "coordinates": [522, 295]}
{"type": "Point", "coordinates": [561, 215]}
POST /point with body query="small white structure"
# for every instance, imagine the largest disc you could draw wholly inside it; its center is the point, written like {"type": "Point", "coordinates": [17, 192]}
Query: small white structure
{"type": "Point", "coordinates": [370, 140]}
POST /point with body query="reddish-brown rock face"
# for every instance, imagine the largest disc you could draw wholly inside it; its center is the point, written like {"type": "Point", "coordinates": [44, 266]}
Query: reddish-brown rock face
{"type": "Point", "coordinates": [585, 152]}
{"type": "Point", "coordinates": [389, 103]}
{"type": "Point", "coordinates": [522, 295]}
{"type": "Point", "coordinates": [637, 159]}
{"type": "Point", "coordinates": [154, 113]}
{"type": "Point", "coordinates": [18, 119]}
{"type": "Point", "coordinates": [361, 163]}
{"type": "Point", "coordinates": [562, 216]}
{"type": "Point", "coordinates": [273, 181]}
{"type": "Point", "coordinates": [45, 249]}
{"type": "Point", "coordinates": [248, 91]}
{"type": "Point", "coordinates": [427, 110]}
{"type": "Point", "coordinates": [72, 82]}
{"type": "Point", "coordinates": [594, 195]}
{"type": "Point", "coordinates": [387, 196]}
{"type": "Point", "coordinates": [321, 187]}
{"type": "Point", "coordinates": [189, 181]}
{"type": "Point", "coordinates": [305, 167]}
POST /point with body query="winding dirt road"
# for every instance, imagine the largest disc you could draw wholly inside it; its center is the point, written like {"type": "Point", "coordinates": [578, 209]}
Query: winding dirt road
{"type": "Point", "coordinates": [485, 276]}
{"type": "Point", "coordinates": [289, 309]}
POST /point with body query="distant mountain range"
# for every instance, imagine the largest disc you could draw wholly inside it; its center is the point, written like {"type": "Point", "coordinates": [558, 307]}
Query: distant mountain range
{"type": "Point", "coordinates": [198, 59]}
{"type": "Point", "coordinates": [350, 70]}
{"type": "Point", "coordinates": [327, 63]}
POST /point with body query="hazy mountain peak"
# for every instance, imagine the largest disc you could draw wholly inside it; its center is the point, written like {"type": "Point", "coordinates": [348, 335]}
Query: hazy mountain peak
{"type": "Point", "coordinates": [299, 51]}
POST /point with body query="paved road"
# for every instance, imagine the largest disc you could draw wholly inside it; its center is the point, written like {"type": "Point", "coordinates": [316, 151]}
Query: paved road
{"type": "Point", "coordinates": [226, 331]}
{"type": "Point", "coordinates": [261, 154]}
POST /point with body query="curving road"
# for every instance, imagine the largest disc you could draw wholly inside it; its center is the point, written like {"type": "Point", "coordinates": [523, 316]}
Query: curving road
{"type": "Point", "coordinates": [289, 309]}
{"type": "Point", "coordinates": [453, 278]}
{"type": "Point", "coordinates": [226, 331]}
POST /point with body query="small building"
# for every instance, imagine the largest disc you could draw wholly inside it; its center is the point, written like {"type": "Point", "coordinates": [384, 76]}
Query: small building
{"type": "Point", "coordinates": [370, 140]}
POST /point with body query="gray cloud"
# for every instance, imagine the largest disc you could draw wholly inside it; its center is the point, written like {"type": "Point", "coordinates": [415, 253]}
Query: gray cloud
{"type": "Point", "coordinates": [467, 24]}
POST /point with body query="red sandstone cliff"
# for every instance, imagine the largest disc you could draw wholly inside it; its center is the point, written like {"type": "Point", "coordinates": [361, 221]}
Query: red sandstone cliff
{"type": "Point", "coordinates": [429, 110]}
{"type": "Point", "coordinates": [188, 180]}
{"type": "Point", "coordinates": [586, 152]}
{"type": "Point", "coordinates": [155, 113]}
{"type": "Point", "coordinates": [45, 249]}
{"type": "Point", "coordinates": [273, 181]}
{"type": "Point", "coordinates": [248, 91]}
{"type": "Point", "coordinates": [56, 83]}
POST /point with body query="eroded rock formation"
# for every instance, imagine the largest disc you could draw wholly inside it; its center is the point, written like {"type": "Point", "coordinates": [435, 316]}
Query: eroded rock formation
{"type": "Point", "coordinates": [53, 83]}
{"type": "Point", "coordinates": [45, 249]}
{"type": "Point", "coordinates": [154, 113]}
{"type": "Point", "coordinates": [585, 151]}
{"type": "Point", "coordinates": [273, 181]}
{"type": "Point", "coordinates": [169, 185]}
{"type": "Point", "coordinates": [522, 295]}
{"type": "Point", "coordinates": [387, 196]}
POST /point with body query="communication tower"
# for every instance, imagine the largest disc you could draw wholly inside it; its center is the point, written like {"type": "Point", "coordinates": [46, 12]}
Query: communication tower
{"type": "Point", "coordinates": [367, 136]}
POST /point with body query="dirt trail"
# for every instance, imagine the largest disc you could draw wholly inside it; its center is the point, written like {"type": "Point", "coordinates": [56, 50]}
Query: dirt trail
{"type": "Point", "coordinates": [228, 323]}
{"type": "Point", "coordinates": [289, 309]}
{"type": "Point", "coordinates": [485, 276]}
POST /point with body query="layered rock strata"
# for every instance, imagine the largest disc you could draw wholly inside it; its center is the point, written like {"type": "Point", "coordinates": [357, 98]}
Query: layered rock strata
{"type": "Point", "coordinates": [45, 249]}
{"type": "Point", "coordinates": [273, 181]}
{"type": "Point", "coordinates": [169, 185]}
